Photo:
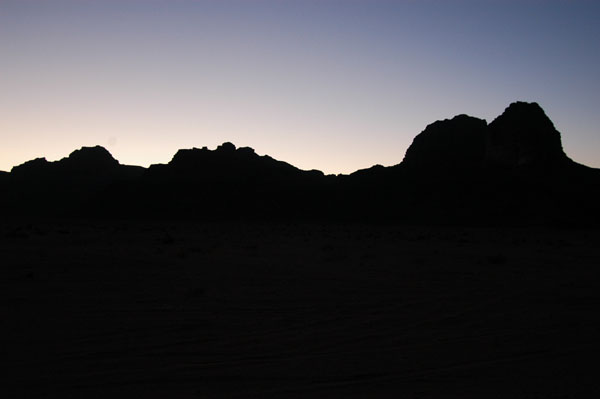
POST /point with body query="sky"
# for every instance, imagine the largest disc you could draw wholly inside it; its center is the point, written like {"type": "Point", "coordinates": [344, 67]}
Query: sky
{"type": "Point", "coordinates": [334, 85]}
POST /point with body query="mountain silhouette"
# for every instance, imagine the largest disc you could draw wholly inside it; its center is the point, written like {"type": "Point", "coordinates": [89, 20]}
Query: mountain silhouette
{"type": "Point", "coordinates": [88, 164]}
{"type": "Point", "coordinates": [454, 145]}
{"type": "Point", "coordinates": [227, 183]}
{"type": "Point", "coordinates": [227, 164]}
{"type": "Point", "coordinates": [457, 171]}
{"type": "Point", "coordinates": [67, 186]}
{"type": "Point", "coordinates": [523, 136]}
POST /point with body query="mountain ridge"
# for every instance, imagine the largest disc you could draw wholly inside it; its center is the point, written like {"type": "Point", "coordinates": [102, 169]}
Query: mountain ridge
{"type": "Point", "coordinates": [496, 145]}
{"type": "Point", "coordinates": [456, 170]}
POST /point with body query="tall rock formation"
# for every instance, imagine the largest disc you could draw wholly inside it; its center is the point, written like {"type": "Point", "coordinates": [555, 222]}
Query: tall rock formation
{"type": "Point", "coordinates": [456, 144]}
{"type": "Point", "coordinates": [524, 137]}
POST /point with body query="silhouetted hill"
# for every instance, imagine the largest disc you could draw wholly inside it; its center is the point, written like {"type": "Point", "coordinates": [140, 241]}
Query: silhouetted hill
{"type": "Point", "coordinates": [35, 168]}
{"type": "Point", "coordinates": [88, 164]}
{"type": "Point", "coordinates": [227, 183]}
{"type": "Point", "coordinates": [457, 171]}
{"type": "Point", "coordinates": [89, 158]}
{"type": "Point", "coordinates": [67, 186]}
{"type": "Point", "coordinates": [512, 171]}
{"type": "Point", "coordinates": [523, 136]}
{"type": "Point", "coordinates": [226, 164]}
{"type": "Point", "coordinates": [455, 145]}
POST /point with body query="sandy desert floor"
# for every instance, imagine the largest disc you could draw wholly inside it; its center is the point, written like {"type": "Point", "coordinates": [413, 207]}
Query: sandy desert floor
{"type": "Point", "coordinates": [233, 310]}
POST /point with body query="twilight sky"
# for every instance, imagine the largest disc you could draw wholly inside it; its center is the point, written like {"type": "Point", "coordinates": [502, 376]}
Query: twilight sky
{"type": "Point", "coordinates": [335, 85]}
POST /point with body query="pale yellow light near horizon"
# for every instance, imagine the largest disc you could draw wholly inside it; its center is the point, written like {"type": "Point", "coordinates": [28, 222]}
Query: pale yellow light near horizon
{"type": "Point", "coordinates": [138, 143]}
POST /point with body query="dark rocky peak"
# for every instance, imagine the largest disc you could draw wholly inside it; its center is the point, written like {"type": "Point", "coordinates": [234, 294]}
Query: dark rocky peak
{"type": "Point", "coordinates": [246, 151]}
{"type": "Point", "coordinates": [186, 157]}
{"type": "Point", "coordinates": [204, 163]}
{"type": "Point", "coordinates": [448, 145]}
{"type": "Point", "coordinates": [226, 147]}
{"type": "Point", "coordinates": [90, 158]}
{"type": "Point", "coordinates": [86, 165]}
{"type": "Point", "coordinates": [225, 164]}
{"type": "Point", "coordinates": [523, 136]}
{"type": "Point", "coordinates": [226, 153]}
{"type": "Point", "coordinates": [33, 168]}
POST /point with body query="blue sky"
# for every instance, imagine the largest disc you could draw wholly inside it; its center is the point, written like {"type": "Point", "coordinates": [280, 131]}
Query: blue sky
{"type": "Point", "coordinates": [330, 85]}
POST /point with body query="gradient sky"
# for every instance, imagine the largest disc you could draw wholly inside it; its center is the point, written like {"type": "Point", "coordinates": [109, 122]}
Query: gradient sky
{"type": "Point", "coordinates": [335, 85]}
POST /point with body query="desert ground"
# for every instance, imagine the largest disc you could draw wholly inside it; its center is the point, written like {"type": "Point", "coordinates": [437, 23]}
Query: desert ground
{"type": "Point", "coordinates": [249, 310]}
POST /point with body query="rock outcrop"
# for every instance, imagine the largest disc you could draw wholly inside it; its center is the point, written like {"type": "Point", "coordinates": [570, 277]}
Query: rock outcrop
{"type": "Point", "coordinates": [90, 158]}
{"type": "Point", "coordinates": [456, 144]}
{"type": "Point", "coordinates": [523, 136]}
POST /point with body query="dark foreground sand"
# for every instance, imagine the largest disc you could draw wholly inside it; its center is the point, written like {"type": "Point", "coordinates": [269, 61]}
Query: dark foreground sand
{"type": "Point", "coordinates": [121, 309]}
